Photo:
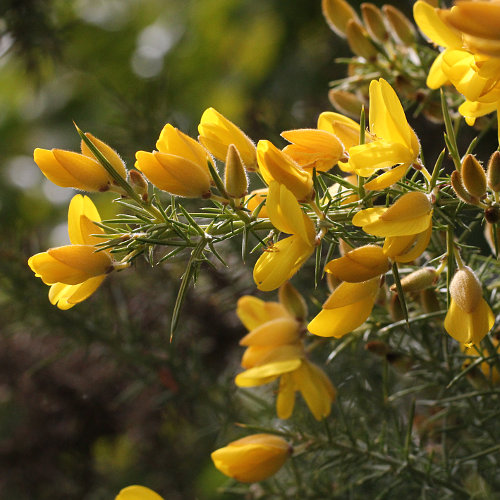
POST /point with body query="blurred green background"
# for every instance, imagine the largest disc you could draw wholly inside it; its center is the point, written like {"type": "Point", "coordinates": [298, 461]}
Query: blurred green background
{"type": "Point", "coordinates": [95, 398]}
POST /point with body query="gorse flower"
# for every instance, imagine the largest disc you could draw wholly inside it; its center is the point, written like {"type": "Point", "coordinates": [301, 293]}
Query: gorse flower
{"type": "Point", "coordinates": [137, 493]}
{"type": "Point", "coordinates": [179, 166]}
{"type": "Point", "coordinates": [283, 259]}
{"type": "Point", "coordinates": [75, 271]}
{"type": "Point", "coordinates": [217, 133]}
{"type": "Point", "coordinates": [394, 141]}
{"type": "Point", "coordinates": [80, 171]}
{"type": "Point", "coordinates": [252, 458]}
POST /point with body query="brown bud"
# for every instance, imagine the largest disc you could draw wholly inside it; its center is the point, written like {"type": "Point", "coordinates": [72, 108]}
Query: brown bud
{"type": "Point", "coordinates": [418, 280]}
{"type": "Point", "coordinates": [429, 300]}
{"type": "Point", "coordinates": [377, 347]}
{"type": "Point", "coordinates": [359, 41]}
{"type": "Point", "coordinates": [401, 27]}
{"type": "Point", "coordinates": [465, 289]}
{"type": "Point", "coordinates": [345, 102]}
{"type": "Point", "coordinates": [337, 14]}
{"type": "Point", "coordinates": [293, 301]}
{"type": "Point", "coordinates": [395, 308]}
{"type": "Point", "coordinates": [492, 214]}
{"type": "Point", "coordinates": [473, 176]}
{"type": "Point", "coordinates": [374, 22]}
{"type": "Point", "coordinates": [235, 179]}
{"type": "Point", "coordinates": [459, 188]}
{"type": "Point", "coordinates": [493, 172]}
{"type": "Point", "coordinates": [138, 182]}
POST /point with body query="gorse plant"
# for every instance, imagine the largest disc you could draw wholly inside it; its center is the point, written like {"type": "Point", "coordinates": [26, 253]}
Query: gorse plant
{"type": "Point", "coordinates": [397, 296]}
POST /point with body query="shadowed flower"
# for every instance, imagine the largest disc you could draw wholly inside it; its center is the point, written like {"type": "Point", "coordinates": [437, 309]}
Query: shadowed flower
{"type": "Point", "coordinates": [137, 493]}
{"type": "Point", "coordinates": [394, 143]}
{"type": "Point", "coordinates": [80, 171]}
{"type": "Point", "coordinates": [179, 166]}
{"type": "Point", "coordinates": [252, 458]}
{"type": "Point", "coordinates": [75, 271]}
{"type": "Point", "coordinates": [283, 259]}
{"type": "Point", "coordinates": [217, 133]}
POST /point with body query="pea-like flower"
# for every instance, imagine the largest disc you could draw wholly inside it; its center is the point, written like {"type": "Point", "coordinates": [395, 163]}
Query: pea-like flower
{"type": "Point", "coordinates": [75, 271]}
{"type": "Point", "coordinates": [283, 259]}
{"type": "Point", "coordinates": [252, 458]}
{"type": "Point", "coordinates": [469, 317]}
{"type": "Point", "coordinates": [137, 493]}
{"type": "Point", "coordinates": [217, 133]}
{"type": "Point", "coordinates": [394, 143]}
{"type": "Point", "coordinates": [180, 166]}
{"type": "Point", "coordinates": [80, 171]}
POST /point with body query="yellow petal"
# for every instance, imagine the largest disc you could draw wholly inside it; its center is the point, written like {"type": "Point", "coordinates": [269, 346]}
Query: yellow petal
{"type": "Point", "coordinates": [267, 372]}
{"type": "Point", "coordinates": [360, 264]}
{"type": "Point", "coordinates": [277, 166]}
{"type": "Point", "coordinates": [408, 206]}
{"type": "Point", "coordinates": [217, 133]}
{"type": "Point", "coordinates": [433, 27]}
{"type": "Point", "coordinates": [412, 246]}
{"type": "Point", "coordinates": [254, 199]}
{"type": "Point", "coordinates": [342, 320]}
{"type": "Point", "coordinates": [280, 262]}
{"type": "Point", "coordinates": [388, 178]}
{"type": "Point", "coordinates": [81, 216]}
{"type": "Point", "coordinates": [471, 110]}
{"type": "Point", "coordinates": [344, 128]}
{"type": "Point", "coordinates": [274, 332]}
{"type": "Point", "coordinates": [365, 159]}
{"type": "Point", "coordinates": [253, 311]}
{"type": "Point", "coordinates": [109, 153]}
{"type": "Point", "coordinates": [257, 355]}
{"type": "Point", "coordinates": [66, 296]}
{"type": "Point", "coordinates": [437, 77]}
{"type": "Point", "coordinates": [285, 400]}
{"type": "Point", "coordinates": [137, 493]}
{"type": "Point", "coordinates": [350, 293]}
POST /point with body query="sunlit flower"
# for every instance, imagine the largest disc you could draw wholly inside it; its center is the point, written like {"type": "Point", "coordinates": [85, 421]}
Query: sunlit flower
{"type": "Point", "coordinates": [348, 307]}
{"type": "Point", "coordinates": [407, 248]}
{"type": "Point", "coordinates": [137, 493]}
{"type": "Point", "coordinates": [75, 271]}
{"type": "Point", "coordinates": [469, 317]}
{"type": "Point", "coordinates": [359, 264]}
{"type": "Point", "coordinates": [283, 259]}
{"type": "Point", "coordinates": [314, 148]}
{"type": "Point", "coordinates": [252, 458]}
{"type": "Point", "coordinates": [411, 214]}
{"type": "Point", "coordinates": [395, 142]}
{"type": "Point", "coordinates": [80, 171]}
{"type": "Point", "coordinates": [180, 166]}
{"type": "Point", "coordinates": [217, 133]}
{"type": "Point", "coordinates": [274, 165]}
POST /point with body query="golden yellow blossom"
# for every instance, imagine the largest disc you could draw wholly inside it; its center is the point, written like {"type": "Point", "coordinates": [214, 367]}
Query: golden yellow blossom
{"type": "Point", "coordinates": [217, 133]}
{"type": "Point", "coordinates": [252, 458]}
{"type": "Point", "coordinates": [407, 248]}
{"type": "Point", "coordinates": [137, 493]}
{"type": "Point", "coordinates": [277, 166]}
{"type": "Point", "coordinates": [348, 307]}
{"type": "Point", "coordinates": [180, 166]}
{"type": "Point", "coordinates": [283, 259]}
{"type": "Point", "coordinates": [75, 271]}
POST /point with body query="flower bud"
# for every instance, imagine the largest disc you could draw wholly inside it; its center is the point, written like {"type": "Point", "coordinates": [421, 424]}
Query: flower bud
{"type": "Point", "coordinates": [429, 300]}
{"type": "Point", "coordinates": [293, 301]}
{"type": "Point", "coordinates": [137, 493]}
{"type": "Point", "coordinates": [465, 289]}
{"type": "Point", "coordinates": [359, 41]}
{"type": "Point", "coordinates": [493, 172]}
{"type": "Point", "coordinates": [418, 280]}
{"type": "Point", "coordinates": [459, 188]}
{"type": "Point", "coordinates": [337, 14]}
{"type": "Point", "coordinates": [109, 153]}
{"type": "Point", "coordinates": [138, 182]}
{"type": "Point", "coordinates": [252, 458]}
{"type": "Point", "coordinates": [374, 22]}
{"type": "Point", "coordinates": [492, 214]}
{"type": "Point", "coordinates": [473, 176]}
{"type": "Point", "coordinates": [256, 199]}
{"type": "Point", "coordinates": [345, 102]}
{"type": "Point", "coordinates": [235, 179]}
{"type": "Point", "coordinates": [402, 28]}
{"type": "Point", "coordinates": [395, 308]}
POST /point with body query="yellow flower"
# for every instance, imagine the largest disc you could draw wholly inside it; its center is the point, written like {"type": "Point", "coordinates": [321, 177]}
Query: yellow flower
{"type": "Point", "coordinates": [348, 307]}
{"type": "Point", "coordinates": [314, 148]}
{"type": "Point", "coordinates": [80, 171]}
{"type": "Point", "coordinates": [137, 493]}
{"type": "Point", "coordinates": [277, 166]}
{"type": "Point", "coordinates": [254, 199]}
{"type": "Point", "coordinates": [179, 166]}
{"type": "Point", "coordinates": [407, 248]}
{"type": "Point", "coordinates": [75, 271]}
{"type": "Point", "coordinates": [359, 264]}
{"type": "Point", "coordinates": [217, 133]}
{"type": "Point", "coordinates": [395, 141]}
{"type": "Point", "coordinates": [486, 371]}
{"type": "Point", "coordinates": [252, 458]}
{"type": "Point", "coordinates": [280, 262]}
{"type": "Point", "coordinates": [469, 317]}
{"type": "Point", "coordinates": [411, 214]}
